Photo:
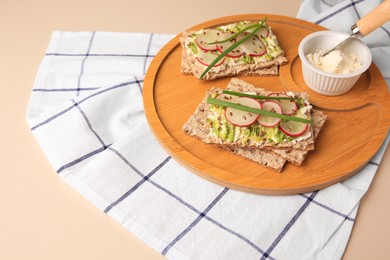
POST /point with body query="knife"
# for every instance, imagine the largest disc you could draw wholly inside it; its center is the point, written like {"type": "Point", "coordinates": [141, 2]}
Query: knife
{"type": "Point", "coordinates": [367, 24]}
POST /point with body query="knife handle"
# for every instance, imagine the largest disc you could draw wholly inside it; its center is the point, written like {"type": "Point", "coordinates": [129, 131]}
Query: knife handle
{"type": "Point", "coordinates": [374, 19]}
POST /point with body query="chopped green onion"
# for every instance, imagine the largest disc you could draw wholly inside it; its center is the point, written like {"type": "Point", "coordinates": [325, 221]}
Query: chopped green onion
{"type": "Point", "coordinates": [232, 47]}
{"type": "Point", "coordinates": [240, 94]}
{"type": "Point", "coordinates": [218, 102]}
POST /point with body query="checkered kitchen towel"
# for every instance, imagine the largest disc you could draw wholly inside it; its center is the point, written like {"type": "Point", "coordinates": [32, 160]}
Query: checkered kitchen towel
{"type": "Point", "coordinates": [87, 114]}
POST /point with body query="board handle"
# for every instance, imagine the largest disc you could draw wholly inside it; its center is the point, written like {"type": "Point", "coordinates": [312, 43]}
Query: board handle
{"type": "Point", "coordinates": [374, 19]}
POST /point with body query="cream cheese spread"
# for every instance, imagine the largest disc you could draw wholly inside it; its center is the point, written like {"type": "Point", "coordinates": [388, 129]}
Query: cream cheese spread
{"type": "Point", "coordinates": [337, 61]}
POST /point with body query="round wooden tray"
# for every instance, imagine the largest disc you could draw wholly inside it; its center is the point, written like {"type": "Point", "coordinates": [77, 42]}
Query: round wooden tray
{"type": "Point", "coordinates": [357, 123]}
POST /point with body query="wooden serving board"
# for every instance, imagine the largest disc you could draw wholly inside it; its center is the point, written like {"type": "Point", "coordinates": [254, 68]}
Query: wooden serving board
{"type": "Point", "coordinates": [357, 123]}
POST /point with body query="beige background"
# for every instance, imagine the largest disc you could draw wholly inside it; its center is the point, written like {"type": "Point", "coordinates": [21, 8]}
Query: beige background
{"type": "Point", "coordinates": [43, 218]}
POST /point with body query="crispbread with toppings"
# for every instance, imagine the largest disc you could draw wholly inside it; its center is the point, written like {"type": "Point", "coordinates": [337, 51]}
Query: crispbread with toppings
{"type": "Point", "coordinates": [270, 155]}
{"type": "Point", "coordinates": [266, 64]}
{"type": "Point", "coordinates": [238, 85]}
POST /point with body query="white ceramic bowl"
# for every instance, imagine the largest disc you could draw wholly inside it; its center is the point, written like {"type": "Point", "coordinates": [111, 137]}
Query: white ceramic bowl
{"type": "Point", "coordinates": [326, 83]}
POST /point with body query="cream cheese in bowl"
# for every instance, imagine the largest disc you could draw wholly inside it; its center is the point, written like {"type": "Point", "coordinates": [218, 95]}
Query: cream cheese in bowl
{"type": "Point", "coordinates": [337, 72]}
{"type": "Point", "coordinates": [337, 61]}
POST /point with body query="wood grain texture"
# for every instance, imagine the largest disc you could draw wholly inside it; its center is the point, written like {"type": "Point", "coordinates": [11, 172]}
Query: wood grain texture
{"type": "Point", "coordinates": [357, 124]}
{"type": "Point", "coordinates": [376, 18]}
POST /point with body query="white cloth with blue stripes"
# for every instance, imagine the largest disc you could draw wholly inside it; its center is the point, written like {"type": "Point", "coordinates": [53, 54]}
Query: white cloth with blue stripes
{"type": "Point", "coordinates": [87, 114]}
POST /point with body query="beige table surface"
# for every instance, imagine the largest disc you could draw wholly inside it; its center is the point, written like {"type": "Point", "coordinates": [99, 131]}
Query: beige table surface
{"type": "Point", "coordinates": [41, 217]}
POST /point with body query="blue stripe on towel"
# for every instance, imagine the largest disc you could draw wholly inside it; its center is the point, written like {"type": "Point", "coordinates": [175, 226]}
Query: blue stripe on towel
{"type": "Point", "coordinates": [329, 209]}
{"type": "Point", "coordinates": [289, 225]}
{"type": "Point", "coordinates": [89, 123]}
{"type": "Point", "coordinates": [148, 52]}
{"type": "Point", "coordinates": [186, 204]}
{"type": "Point", "coordinates": [99, 55]}
{"type": "Point", "coordinates": [82, 158]}
{"type": "Point", "coordinates": [81, 101]}
{"type": "Point", "coordinates": [338, 11]}
{"type": "Point", "coordinates": [136, 186]}
{"type": "Point", "coordinates": [196, 221]}
{"type": "Point", "coordinates": [62, 89]}
{"type": "Point", "coordinates": [83, 64]}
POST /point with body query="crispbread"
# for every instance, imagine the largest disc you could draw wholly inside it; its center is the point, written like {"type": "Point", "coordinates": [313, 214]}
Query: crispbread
{"type": "Point", "coordinates": [273, 158]}
{"type": "Point", "coordinates": [298, 156]}
{"type": "Point", "coordinates": [265, 158]}
{"type": "Point", "coordinates": [190, 65]}
{"type": "Point", "coordinates": [197, 126]}
{"type": "Point", "coordinates": [239, 85]}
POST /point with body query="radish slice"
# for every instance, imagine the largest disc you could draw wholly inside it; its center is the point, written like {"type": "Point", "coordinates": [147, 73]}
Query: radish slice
{"type": "Point", "coordinates": [226, 97]}
{"type": "Point", "coordinates": [253, 46]}
{"type": "Point", "coordinates": [289, 107]}
{"type": "Point", "coordinates": [206, 37]}
{"type": "Point", "coordinates": [263, 32]}
{"type": "Point", "coordinates": [236, 53]}
{"type": "Point", "coordinates": [269, 121]}
{"type": "Point", "coordinates": [207, 57]}
{"type": "Point", "coordinates": [292, 128]}
{"type": "Point", "coordinates": [242, 118]}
